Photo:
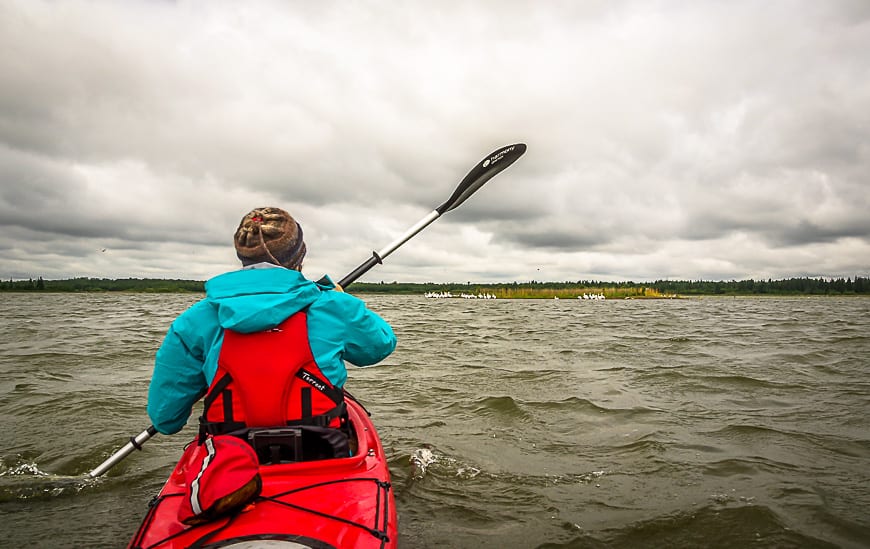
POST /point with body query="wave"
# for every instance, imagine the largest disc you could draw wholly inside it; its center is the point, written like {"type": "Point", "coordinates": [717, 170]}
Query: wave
{"type": "Point", "coordinates": [567, 411]}
{"type": "Point", "coordinates": [712, 525]}
{"type": "Point", "coordinates": [713, 383]}
{"type": "Point", "coordinates": [24, 480]}
{"type": "Point", "coordinates": [764, 435]}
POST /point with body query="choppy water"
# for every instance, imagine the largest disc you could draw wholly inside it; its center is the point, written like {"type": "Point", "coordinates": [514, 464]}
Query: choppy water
{"type": "Point", "coordinates": [687, 423]}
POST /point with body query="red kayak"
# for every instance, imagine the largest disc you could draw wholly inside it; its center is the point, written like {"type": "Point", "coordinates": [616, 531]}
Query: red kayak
{"type": "Point", "coordinates": [326, 504]}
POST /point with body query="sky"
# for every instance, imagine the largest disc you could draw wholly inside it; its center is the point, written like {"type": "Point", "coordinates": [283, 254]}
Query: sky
{"type": "Point", "coordinates": [712, 140]}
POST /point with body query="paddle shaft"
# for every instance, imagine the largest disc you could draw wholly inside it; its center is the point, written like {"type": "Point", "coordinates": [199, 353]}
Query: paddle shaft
{"type": "Point", "coordinates": [134, 444]}
{"type": "Point", "coordinates": [379, 256]}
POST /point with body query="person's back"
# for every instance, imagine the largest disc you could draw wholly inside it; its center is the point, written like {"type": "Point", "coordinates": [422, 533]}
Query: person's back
{"type": "Point", "coordinates": [260, 318]}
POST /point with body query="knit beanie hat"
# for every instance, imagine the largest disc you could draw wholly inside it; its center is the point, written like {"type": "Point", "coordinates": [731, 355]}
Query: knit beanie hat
{"type": "Point", "coordinates": [270, 235]}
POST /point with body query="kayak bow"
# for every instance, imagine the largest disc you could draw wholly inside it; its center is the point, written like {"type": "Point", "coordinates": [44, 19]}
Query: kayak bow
{"type": "Point", "coordinates": [326, 504]}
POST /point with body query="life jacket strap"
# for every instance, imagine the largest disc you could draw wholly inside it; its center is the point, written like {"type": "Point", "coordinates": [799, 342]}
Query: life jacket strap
{"type": "Point", "coordinates": [216, 391]}
{"type": "Point", "coordinates": [325, 419]}
{"type": "Point", "coordinates": [219, 427]}
{"type": "Point", "coordinates": [238, 427]}
{"type": "Point", "coordinates": [335, 395]}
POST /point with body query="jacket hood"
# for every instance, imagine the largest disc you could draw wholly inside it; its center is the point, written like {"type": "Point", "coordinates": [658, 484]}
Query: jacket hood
{"type": "Point", "coordinates": [252, 300]}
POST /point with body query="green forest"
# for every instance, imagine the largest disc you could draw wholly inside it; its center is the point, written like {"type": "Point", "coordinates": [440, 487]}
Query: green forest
{"type": "Point", "coordinates": [511, 290]}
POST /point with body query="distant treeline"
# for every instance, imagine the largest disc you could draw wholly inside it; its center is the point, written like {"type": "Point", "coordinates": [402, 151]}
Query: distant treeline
{"type": "Point", "coordinates": [533, 289]}
{"type": "Point", "coordinates": [657, 289]}
{"type": "Point", "coordinates": [157, 285]}
{"type": "Point", "coordinates": [789, 286]}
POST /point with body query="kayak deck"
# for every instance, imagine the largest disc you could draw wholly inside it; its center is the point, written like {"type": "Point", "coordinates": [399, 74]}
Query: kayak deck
{"type": "Point", "coordinates": [331, 503]}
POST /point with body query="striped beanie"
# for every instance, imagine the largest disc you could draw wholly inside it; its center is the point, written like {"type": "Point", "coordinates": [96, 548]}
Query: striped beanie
{"type": "Point", "coordinates": [270, 235]}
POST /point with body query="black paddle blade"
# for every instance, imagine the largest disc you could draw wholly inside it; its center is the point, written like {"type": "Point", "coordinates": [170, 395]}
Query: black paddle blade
{"type": "Point", "coordinates": [488, 168]}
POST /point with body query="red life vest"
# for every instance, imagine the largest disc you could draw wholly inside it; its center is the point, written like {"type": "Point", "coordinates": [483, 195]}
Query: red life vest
{"type": "Point", "coordinates": [270, 379]}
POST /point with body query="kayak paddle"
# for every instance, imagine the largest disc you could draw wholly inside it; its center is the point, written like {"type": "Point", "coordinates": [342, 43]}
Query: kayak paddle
{"type": "Point", "coordinates": [486, 169]}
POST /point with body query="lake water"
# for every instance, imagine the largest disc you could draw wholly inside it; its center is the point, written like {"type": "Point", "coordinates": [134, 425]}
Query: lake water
{"type": "Point", "coordinates": [713, 422]}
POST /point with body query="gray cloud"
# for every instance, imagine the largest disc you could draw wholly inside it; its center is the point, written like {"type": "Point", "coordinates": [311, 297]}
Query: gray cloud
{"type": "Point", "coordinates": [713, 139]}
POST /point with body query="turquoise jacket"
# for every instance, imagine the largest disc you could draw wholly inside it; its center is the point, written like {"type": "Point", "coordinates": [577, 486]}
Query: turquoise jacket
{"type": "Point", "coordinates": [340, 328]}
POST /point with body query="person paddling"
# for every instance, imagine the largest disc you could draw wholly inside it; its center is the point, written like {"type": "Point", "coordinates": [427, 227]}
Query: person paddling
{"type": "Point", "coordinates": [266, 346]}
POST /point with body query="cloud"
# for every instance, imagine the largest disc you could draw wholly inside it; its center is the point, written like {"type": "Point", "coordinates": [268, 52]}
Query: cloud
{"type": "Point", "coordinates": [684, 141]}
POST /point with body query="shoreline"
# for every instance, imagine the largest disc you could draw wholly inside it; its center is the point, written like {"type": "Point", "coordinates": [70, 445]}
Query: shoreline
{"type": "Point", "coordinates": [456, 297]}
{"type": "Point", "coordinates": [593, 289]}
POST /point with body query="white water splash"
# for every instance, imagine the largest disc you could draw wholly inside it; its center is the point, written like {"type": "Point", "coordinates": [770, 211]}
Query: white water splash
{"type": "Point", "coordinates": [467, 472]}
{"type": "Point", "coordinates": [27, 481]}
{"type": "Point", "coordinates": [23, 469]}
{"type": "Point", "coordinates": [588, 478]}
{"type": "Point", "coordinates": [421, 459]}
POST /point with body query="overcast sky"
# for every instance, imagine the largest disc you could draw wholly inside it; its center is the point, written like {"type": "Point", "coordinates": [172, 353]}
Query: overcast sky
{"type": "Point", "coordinates": [710, 140]}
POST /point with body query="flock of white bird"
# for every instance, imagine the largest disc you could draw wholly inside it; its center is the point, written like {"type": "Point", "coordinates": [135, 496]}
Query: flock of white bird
{"type": "Point", "coordinates": [440, 295]}
{"type": "Point", "coordinates": [443, 295]}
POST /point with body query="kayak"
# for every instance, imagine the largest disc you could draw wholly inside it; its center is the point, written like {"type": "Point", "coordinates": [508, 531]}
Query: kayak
{"type": "Point", "coordinates": [325, 504]}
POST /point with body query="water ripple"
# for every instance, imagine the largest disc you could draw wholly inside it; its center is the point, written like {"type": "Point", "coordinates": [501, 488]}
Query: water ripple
{"type": "Point", "coordinates": [677, 423]}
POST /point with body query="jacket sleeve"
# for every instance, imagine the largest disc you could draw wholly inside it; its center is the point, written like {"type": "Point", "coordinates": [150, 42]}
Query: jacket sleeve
{"type": "Point", "coordinates": [369, 338]}
{"type": "Point", "coordinates": [341, 329]}
{"type": "Point", "coordinates": [178, 380]}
